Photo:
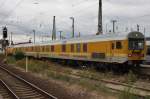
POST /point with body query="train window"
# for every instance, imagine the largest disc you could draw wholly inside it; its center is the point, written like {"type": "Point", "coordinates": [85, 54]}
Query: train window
{"type": "Point", "coordinates": [52, 48]}
{"type": "Point", "coordinates": [28, 49]}
{"type": "Point", "coordinates": [63, 48]}
{"type": "Point", "coordinates": [148, 51]}
{"type": "Point", "coordinates": [112, 46]}
{"type": "Point", "coordinates": [43, 49]}
{"type": "Point", "coordinates": [38, 48]}
{"type": "Point", "coordinates": [72, 47]}
{"type": "Point", "coordinates": [78, 47]}
{"type": "Point", "coordinates": [118, 45]}
{"type": "Point", "coordinates": [136, 44]}
{"type": "Point", "coordinates": [32, 49]}
{"type": "Point", "coordinates": [47, 49]}
{"type": "Point", "coordinates": [84, 47]}
{"type": "Point", "coordinates": [35, 48]}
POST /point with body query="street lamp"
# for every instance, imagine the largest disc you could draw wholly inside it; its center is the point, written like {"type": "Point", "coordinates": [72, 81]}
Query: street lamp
{"type": "Point", "coordinates": [60, 34]}
{"type": "Point", "coordinates": [113, 21]}
{"type": "Point", "coordinates": [72, 18]}
{"type": "Point", "coordinates": [34, 35]}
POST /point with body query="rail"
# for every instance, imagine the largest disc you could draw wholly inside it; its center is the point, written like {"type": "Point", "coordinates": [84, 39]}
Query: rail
{"type": "Point", "coordinates": [28, 83]}
{"type": "Point", "coordinates": [7, 88]}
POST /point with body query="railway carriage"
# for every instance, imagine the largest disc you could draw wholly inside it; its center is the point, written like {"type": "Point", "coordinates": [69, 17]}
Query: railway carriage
{"type": "Point", "coordinates": [106, 48]}
{"type": "Point", "coordinates": [147, 61]}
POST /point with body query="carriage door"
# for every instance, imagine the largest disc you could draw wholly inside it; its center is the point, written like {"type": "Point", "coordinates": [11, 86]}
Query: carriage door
{"type": "Point", "coordinates": [112, 48]}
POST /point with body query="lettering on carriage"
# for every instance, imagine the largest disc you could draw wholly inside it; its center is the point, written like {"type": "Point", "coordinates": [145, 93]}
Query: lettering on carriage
{"type": "Point", "coordinates": [66, 55]}
{"type": "Point", "coordinates": [76, 56]}
{"type": "Point", "coordinates": [79, 56]}
{"type": "Point", "coordinates": [98, 55]}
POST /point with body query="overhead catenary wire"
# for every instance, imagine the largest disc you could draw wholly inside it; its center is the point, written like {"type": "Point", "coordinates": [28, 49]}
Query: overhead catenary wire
{"type": "Point", "coordinates": [74, 12]}
{"type": "Point", "coordinates": [79, 12]}
{"type": "Point", "coordinates": [2, 3]}
{"type": "Point", "coordinates": [11, 11]}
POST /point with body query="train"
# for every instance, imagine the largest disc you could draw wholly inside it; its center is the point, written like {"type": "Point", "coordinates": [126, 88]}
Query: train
{"type": "Point", "coordinates": [147, 61]}
{"type": "Point", "coordinates": [128, 49]}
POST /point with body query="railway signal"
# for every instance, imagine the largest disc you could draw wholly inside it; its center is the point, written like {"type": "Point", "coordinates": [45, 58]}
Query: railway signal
{"type": "Point", "coordinates": [138, 27]}
{"type": "Point", "coordinates": [5, 32]}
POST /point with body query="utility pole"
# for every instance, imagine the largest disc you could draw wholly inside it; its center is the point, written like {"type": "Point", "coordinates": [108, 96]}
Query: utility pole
{"type": "Point", "coordinates": [34, 35]}
{"type": "Point", "coordinates": [144, 31]}
{"type": "Point", "coordinates": [60, 34]}
{"type": "Point", "coordinates": [54, 29]}
{"type": "Point", "coordinates": [100, 25]}
{"type": "Point", "coordinates": [11, 38]}
{"type": "Point", "coordinates": [79, 34]}
{"type": "Point", "coordinates": [114, 21]}
{"type": "Point", "coordinates": [42, 38]}
{"type": "Point", "coordinates": [72, 18]}
{"type": "Point", "coordinates": [126, 30]}
{"type": "Point", "coordinates": [138, 27]}
{"type": "Point", "coordinates": [106, 28]}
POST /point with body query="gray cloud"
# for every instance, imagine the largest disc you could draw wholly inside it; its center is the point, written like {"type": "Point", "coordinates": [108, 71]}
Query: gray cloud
{"type": "Point", "coordinates": [22, 16]}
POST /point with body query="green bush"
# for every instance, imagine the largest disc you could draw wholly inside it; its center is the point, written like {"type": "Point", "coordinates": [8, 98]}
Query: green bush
{"type": "Point", "coordinates": [127, 94]}
{"type": "Point", "coordinates": [11, 60]}
{"type": "Point", "coordinates": [131, 77]}
{"type": "Point", "coordinates": [19, 55]}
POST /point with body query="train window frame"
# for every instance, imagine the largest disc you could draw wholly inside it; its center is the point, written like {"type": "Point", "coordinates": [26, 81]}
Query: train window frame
{"type": "Point", "coordinates": [42, 48]}
{"type": "Point", "coordinates": [118, 45]}
{"type": "Point", "coordinates": [52, 48]}
{"type": "Point", "coordinates": [72, 47]}
{"type": "Point", "coordinates": [63, 48]}
{"type": "Point", "coordinates": [132, 42]}
{"type": "Point", "coordinates": [78, 47]}
{"type": "Point", "coordinates": [112, 46]}
{"type": "Point", "coordinates": [148, 50]}
{"type": "Point", "coordinates": [85, 47]}
{"type": "Point", "coordinates": [47, 48]}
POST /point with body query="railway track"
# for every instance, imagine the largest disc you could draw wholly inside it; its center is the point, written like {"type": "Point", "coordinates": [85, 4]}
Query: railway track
{"type": "Point", "coordinates": [121, 87]}
{"type": "Point", "coordinates": [144, 72]}
{"type": "Point", "coordinates": [17, 88]}
{"type": "Point", "coordinates": [6, 92]}
{"type": "Point", "coordinates": [116, 86]}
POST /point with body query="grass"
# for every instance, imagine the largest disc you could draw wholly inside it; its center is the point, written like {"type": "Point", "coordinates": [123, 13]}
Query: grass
{"type": "Point", "coordinates": [33, 65]}
{"type": "Point", "coordinates": [59, 76]}
{"type": "Point", "coordinates": [127, 94]}
{"type": "Point", "coordinates": [81, 82]}
{"type": "Point", "coordinates": [61, 73]}
{"type": "Point", "coordinates": [65, 74]}
{"type": "Point", "coordinates": [131, 78]}
{"type": "Point", "coordinates": [11, 60]}
{"type": "Point", "coordinates": [147, 97]}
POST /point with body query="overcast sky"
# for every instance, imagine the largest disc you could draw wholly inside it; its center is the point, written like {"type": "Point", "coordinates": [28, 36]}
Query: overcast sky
{"type": "Point", "coordinates": [22, 16]}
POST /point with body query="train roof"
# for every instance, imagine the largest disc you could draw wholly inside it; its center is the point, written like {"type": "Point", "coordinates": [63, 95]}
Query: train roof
{"type": "Point", "coordinates": [83, 39]}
